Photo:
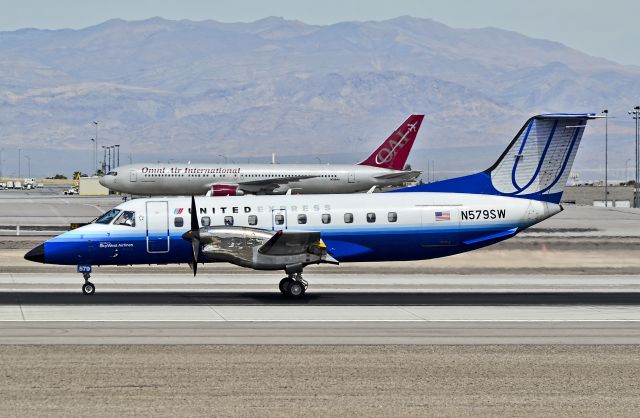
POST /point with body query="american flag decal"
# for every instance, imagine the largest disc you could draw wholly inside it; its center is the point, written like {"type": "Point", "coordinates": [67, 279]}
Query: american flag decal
{"type": "Point", "coordinates": [443, 216]}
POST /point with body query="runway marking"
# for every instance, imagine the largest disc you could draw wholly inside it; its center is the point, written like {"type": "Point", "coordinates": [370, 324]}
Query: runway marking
{"type": "Point", "coordinates": [541, 321]}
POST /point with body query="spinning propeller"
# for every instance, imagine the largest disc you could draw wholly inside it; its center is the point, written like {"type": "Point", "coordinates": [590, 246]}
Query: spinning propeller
{"type": "Point", "coordinates": [193, 235]}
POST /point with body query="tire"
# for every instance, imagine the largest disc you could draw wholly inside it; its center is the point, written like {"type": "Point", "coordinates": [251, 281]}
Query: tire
{"type": "Point", "coordinates": [88, 288]}
{"type": "Point", "coordinates": [296, 290]}
{"type": "Point", "coordinates": [284, 285]}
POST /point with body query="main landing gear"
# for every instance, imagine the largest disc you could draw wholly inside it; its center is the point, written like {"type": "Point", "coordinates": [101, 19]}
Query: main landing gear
{"type": "Point", "coordinates": [293, 286]}
{"type": "Point", "coordinates": [88, 288]}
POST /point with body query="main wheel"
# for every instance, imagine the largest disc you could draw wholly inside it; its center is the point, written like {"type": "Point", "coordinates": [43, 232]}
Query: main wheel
{"type": "Point", "coordinates": [296, 290]}
{"type": "Point", "coordinates": [284, 285]}
{"type": "Point", "coordinates": [88, 288]}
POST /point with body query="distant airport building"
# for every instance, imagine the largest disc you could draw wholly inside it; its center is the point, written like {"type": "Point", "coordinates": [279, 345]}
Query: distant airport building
{"type": "Point", "coordinates": [593, 195]}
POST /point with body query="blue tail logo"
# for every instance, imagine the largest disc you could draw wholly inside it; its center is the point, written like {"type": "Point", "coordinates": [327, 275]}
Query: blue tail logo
{"type": "Point", "coordinates": [535, 165]}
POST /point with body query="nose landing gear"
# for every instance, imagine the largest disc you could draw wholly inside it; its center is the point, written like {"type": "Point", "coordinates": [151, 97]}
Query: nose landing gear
{"type": "Point", "coordinates": [293, 286]}
{"type": "Point", "coordinates": [88, 288]}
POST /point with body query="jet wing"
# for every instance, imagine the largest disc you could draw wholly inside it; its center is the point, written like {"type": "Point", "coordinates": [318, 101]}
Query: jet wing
{"type": "Point", "coordinates": [407, 175]}
{"type": "Point", "coordinates": [270, 184]}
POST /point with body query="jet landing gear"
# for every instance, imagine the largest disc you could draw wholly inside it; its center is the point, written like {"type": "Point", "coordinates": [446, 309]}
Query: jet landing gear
{"type": "Point", "coordinates": [293, 286]}
{"type": "Point", "coordinates": [88, 288]}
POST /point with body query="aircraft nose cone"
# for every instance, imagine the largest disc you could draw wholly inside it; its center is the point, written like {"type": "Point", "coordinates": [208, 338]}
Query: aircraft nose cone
{"type": "Point", "coordinates": [104, 181]}
{"type": "Point", "coordinates": [36, 254]}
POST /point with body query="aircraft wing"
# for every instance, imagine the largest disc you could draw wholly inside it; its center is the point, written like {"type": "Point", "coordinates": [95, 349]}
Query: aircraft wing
{"type": "Point", "coordinates": [270, 184]}
{"type": "Point", "coordinates": [406, 175]}
{"type": "Point", "coordinates": [285, 243]}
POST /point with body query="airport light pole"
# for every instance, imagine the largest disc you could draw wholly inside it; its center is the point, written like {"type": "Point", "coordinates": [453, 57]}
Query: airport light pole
{"type": "Point", "coordinates": [605, 112]}
{"type": "Point", "coordinates": [1, 149]}
{"type": "Point", "coordinates": [104, 160]}
{"type": "Point", "coordinates": [117, 160]}
{"type": "Point", "coordinates": [95, 155]}
{"type": "Point", "coordinates": [94, 162]}
{"type": "Point", "coordinates": [19, 167]}
{"type": "Point", "coordinates": [635, 114]}
{"type": "Point", "coordinates": [28, 165]}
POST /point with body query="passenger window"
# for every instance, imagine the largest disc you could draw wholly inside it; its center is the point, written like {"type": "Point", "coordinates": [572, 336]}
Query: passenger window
{"type": "Point", "coordinates": [228, 220]}
{"type": "Point", "coordinates": [302, 219]}
{"type": "Point", "coordinates": [392, 216]}
{"type": "Point", "coordinates": [253, 220]}
{"type": "Point", "coordinates": [127, 218]}
{"type": "Point", "coordinates": [348, 218]}
{"type": "Point", "coordinates": [279, 219]}
{"type": "Point", "coordinates": [178, 222]}
{"type": "Point", "coordinates": [371, 217]}
{"type": "Point", "coordinates": [326, 218]}
{"type": "Point", "coordinates": [206, 221]}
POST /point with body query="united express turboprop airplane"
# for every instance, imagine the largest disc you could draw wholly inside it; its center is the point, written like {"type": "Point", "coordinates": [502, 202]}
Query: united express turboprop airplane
{"type": "Point", "coordinates": [290, 232]}
{"type": "Point", "coordinates": [384, 167]}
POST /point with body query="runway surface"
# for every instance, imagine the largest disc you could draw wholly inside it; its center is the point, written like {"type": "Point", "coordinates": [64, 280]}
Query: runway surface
{"type": "Point", "coordinates": [338, 309]}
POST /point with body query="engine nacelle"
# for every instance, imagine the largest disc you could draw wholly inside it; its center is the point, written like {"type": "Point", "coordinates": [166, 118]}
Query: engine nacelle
{"type": "Point", "coordinates": [258, 249]}
{"type": "Point", "coordinates": [225, 190]}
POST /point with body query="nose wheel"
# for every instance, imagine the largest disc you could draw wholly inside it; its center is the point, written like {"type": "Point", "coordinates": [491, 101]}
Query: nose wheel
{"type": "Point", "coordinates": [88, 288]}
{"type": "Point", "coordinates": [293, 286]}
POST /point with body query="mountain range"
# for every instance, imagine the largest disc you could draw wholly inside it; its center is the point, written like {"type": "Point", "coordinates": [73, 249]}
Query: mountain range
{"type": "Point", "coordinates": [186, 90]}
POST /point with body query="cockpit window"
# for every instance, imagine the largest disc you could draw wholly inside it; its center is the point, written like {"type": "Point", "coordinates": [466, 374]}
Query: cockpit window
{"type": "Point", "coordinates": [112, 173]}
{"type": "Point", "coordinates": [127, 218]}
{"type": "Point", "coordinates": [108, 217]}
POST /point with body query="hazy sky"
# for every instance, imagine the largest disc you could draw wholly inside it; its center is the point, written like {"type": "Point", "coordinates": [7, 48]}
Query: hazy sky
{"type": "Point", "coordinates": [609, 29]}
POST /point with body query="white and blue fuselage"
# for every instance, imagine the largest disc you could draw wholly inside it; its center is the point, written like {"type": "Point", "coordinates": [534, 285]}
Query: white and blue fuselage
{"type": "Point", "coordinates": [354, 228]}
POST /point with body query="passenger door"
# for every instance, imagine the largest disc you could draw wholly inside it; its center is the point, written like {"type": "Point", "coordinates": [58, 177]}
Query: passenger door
{"type": "Point", "coordinates": [133, 176]}
{"type": "Point", "coordinates": [352, 177]}
{"type": "Point", "coordinates": [157, 227]}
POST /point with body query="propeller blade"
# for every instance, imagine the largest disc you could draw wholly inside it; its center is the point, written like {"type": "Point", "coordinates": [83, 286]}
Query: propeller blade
{"type": "Point", "coordinates": [195, 247]}
{"type": "Point", "coordinates": [194, 236]}
{"type": "Point", "coordinates": [194, 215]}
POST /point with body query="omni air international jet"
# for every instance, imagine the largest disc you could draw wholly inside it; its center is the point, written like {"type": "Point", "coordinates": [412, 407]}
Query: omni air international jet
{"type": "Point", "coordinates": [290, 232]}
{"type": "Point", "coordinates": [384, 167]}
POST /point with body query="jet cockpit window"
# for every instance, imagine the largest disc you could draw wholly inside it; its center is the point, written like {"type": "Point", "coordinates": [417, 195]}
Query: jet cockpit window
{"type": "Point", "coordinates": [108, 217]}
{"type": "Point", "coordinates": [206, 221]}
{"type": "Point", "coordinates": [112, 173]}
{"type": "Point", "coordinates": [127, 218]}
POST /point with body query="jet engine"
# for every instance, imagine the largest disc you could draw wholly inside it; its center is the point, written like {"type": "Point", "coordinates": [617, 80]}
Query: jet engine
{"type": "Point", "coordinates": [225, 190]}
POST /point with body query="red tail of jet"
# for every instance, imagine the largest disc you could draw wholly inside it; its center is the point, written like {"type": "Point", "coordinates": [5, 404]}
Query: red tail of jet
{"type": "Point", "coordinates": [393, 152]}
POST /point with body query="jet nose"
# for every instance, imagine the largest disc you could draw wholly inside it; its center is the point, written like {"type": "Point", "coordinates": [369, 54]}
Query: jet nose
{"type": "Point", "coordinates": [104, 181]}
{"type": "Point", "coordinates": [37, 254]}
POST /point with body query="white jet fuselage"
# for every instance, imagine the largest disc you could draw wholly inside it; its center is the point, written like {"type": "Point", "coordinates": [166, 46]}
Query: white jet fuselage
{"type": "Point", "coordinates": [198, 179]}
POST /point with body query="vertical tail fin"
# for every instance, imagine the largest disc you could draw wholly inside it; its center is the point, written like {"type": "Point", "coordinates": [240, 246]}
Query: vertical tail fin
{"type": "Point", "coordinates": [539, 159]}
{"type": "Point", "coordinates": [535, 165]}
{"type": "Point", "coordinates": [394, 151]}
